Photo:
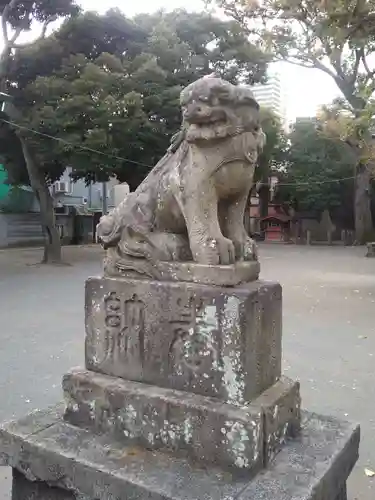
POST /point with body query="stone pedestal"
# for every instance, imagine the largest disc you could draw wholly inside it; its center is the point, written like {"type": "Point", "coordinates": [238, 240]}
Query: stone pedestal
{"type": "Point", "coordinates": [370, 249]}
{"type": "Point", "coordinates": [53, 460]}
{"type": "Point", "coordinates": [187, 368]}
{"type": "Point", "coordinates": [210, 340]}
{"type": "Point", "coordinates": [187, 424]}
{"type": "Point", "coordinates": [182, 397]}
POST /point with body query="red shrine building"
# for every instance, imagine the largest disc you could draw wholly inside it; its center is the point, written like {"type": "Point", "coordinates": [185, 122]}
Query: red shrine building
{"type": "Point", "coordinates": [276, 226]}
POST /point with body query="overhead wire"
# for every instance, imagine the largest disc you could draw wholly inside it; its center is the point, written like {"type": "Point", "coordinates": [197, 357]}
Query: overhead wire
{"type": "Point", "coordinates": [328, 181]}
{"type": "Point", "coordinates": [85, 148]}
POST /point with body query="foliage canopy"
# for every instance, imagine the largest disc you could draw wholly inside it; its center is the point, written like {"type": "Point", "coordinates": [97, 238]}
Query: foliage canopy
{"type": "Point", "coordinates": [319, 173]}
{"type": "Point", "coordinates": [338, 38]}
{"type": "Point", "coordinates": [111, 84]}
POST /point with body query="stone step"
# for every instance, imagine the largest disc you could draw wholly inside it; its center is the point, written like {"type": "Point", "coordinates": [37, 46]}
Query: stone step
{"type": "Point", "coordinates": [200, 427]}
{"type": "Point", "coordinates": [54, 460]}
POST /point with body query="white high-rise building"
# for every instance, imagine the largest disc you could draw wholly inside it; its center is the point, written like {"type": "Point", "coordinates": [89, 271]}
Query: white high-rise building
{"type": "Point", "coordinates": [271, 95]}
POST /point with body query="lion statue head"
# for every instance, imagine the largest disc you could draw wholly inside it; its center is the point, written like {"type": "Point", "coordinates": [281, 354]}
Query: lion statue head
{"type": "Point", "coordinates": [213, 109]}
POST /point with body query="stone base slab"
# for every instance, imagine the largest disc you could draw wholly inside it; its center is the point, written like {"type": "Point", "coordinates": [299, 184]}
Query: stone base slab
{"type": "Point", "coordinates": [45, 449]}
{"type": "Point", "coordinates": [187, 424]}
{"type": "Point", "coordinates": [231, 275]}
{"type": "Point", "coordinates": [186, 271]}
{"type": "Point", "coordinates": [214, 341]}
{"type": "Point", "coordinates": [370, 249]}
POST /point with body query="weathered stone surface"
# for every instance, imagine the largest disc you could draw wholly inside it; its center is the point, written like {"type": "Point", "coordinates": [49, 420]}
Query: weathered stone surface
{"type": "Point", "coordinates": [230, 275]}
{"type": "Point", "coordinates": [316, 465]}
{"type": "Point", "coordinates": [191, 206]}
{"type": "Point", "coordinates": [221, 342]}
{"type": "Point", "coordinates": [313, 467]}
{"type": "Point", "coordinates": [23, 489]}
{"type": "Point", "coordinates": [342, 495]}
{"type": "Point", "coordinates": [202, 428]}
{"type": "Point", "coordinates": [281, 409]}
{"type": "Point", "coordinates": [370, 249]}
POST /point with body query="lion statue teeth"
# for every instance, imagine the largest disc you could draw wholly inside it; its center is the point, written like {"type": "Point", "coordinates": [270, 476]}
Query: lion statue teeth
{"type": "Point", "coordinates": [190, 207]}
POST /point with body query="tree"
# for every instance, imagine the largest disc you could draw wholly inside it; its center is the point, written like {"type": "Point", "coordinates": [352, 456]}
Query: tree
{"type": "Point", "coordinates": [17, 17]}
{"type": "Point", "coordinates": [338, 123]}
{"type": "Point", "coordinates": [336, 37]}
{"type": "Point", "coordinates": [273, 154]}
{"type": "Point", "coordinates": [318, 173]}
{"type": "Point", "coordinates": [118, 94]}
{"type": "Point", "coordinates": [209, 43]}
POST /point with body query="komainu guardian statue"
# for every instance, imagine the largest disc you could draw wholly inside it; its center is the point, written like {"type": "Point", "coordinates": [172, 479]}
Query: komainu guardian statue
{"type": "Point", "coordinates": [190, 207]}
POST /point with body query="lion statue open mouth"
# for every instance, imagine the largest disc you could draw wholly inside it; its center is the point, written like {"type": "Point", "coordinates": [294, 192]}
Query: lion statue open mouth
{"type": "Point", "coordinates": [191, 205]}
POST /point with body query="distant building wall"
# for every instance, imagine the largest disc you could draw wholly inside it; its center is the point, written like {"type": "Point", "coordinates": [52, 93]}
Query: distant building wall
{"type": "Point", "coordinates": [20, 229]}
{"type": "Point", "coordinates": [81, 194]}
{"type": "Point", "coordinates": [120, 192]}
{"type": "Point", "coordinates": [78, 194]}
{"type": "Point", "coordinates": [4, 188]}
{"type": "Point", "coordinates": [272, 95]}
{"type": "Point", "coordinates": [20, 221]}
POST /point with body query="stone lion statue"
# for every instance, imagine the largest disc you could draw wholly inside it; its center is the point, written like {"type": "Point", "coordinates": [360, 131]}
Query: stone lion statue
{"type": "Point", "coordinates": [191, 205]}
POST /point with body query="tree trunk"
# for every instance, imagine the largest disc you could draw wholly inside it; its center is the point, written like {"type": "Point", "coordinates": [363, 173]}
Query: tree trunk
{"type": "Point", "coordinates": [362, 205]}
{"type": "Point", "coordinates": [52, 244]}
{"type": "Point", "coordinates": [264, 199]}
{"type": "Point", "coordinates": [263, 190]}
{"type": "Point", "coordinates": [246, 216]}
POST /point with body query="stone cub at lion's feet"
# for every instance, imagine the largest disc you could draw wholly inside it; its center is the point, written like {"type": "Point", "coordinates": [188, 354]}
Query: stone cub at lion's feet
{"type": "Point", "coordinates": [191, 205]}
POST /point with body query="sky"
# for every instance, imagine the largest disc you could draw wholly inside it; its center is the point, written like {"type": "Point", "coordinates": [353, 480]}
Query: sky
{"type": "Point", "coordinates": [306, 89]}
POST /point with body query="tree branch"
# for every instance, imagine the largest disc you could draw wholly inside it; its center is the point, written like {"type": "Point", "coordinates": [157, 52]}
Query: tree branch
{"type": "Point", "coordinates": [323, 67]}
{"type": "Point", "coordinates": [315, 63]}
{"type": "Point", "coordinates": [295, 63]}
{"type": "Point", "coordinates": [16, 34]}
{"type": "Point", "coordinates": [370, 73]}
{"type": "Point", "coordinates": [366, 26]}
{"type": "Point", "coordinates": [5, 17]}
{"type": "Point", "coordinates": [46, 23]}
{"type": "Point", "coordinates": [335, 57]}
{"type": "Point", "coordinates": [359, 53]}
